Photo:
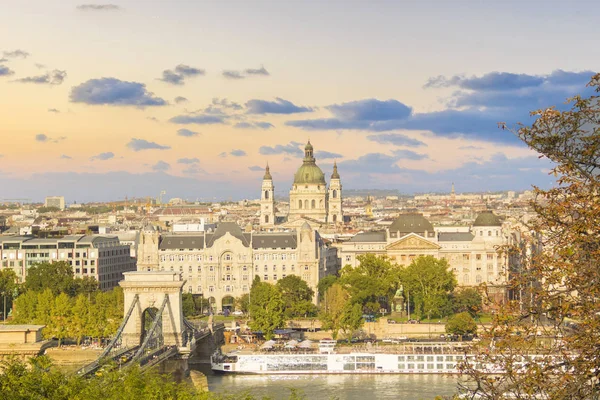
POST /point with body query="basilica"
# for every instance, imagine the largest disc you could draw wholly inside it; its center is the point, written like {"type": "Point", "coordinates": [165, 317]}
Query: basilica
{"type": "Point", "coordinates": [310, 198]}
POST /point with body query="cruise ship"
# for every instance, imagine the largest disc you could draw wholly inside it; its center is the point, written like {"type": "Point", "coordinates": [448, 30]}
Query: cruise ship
{"type": "Point", "coordinates": [429, 358]}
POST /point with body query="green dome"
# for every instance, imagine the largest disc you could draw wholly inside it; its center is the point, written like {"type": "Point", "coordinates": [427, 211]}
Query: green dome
{"type": "Point", "coordinates": [487, 218]}
{"type": "Point", "coordinates": [309, 172]}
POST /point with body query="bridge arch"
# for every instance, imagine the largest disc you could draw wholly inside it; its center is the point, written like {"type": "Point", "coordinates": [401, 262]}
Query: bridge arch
{"type": "Point", "coordinates": [150, 293]}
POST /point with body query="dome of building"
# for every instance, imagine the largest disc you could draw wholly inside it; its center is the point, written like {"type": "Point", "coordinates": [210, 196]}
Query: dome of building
{"type": "Point", "coordinates": [267, 176]}
{"type": "Point", "coordinates": [335, 174]}
{"type": "Point", "coordinates": [487, 218]}
{"type": "Point", "coordinates": [309, 172]}
{"type": "Point", "coordinates": [411, 223]}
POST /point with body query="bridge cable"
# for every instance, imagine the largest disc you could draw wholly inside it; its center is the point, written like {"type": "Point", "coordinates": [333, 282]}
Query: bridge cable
{"type": "Point", "coordinates": [152, 329]}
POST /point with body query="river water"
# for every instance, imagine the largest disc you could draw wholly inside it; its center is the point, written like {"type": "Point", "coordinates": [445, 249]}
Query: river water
{"type": "Point", "coordinates": [341, 387]}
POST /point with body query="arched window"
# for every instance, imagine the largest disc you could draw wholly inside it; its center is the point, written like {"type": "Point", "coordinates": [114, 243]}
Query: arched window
{"type": "Point", "coordinates": [313, 204]}
{"type": "Point", "coordinates": [267, 194]}
{"type": "Point", "coordinates": [321, 203]}
{"type": "Point", "coordinates": [334, 194]}
{"type": "Point", "coordinates": [306, 204]}
{"type": "Point", "coordinates": [266, 219]}
{"type": "Point", "coordinates": [465, 279]}
{"type": "Point", "coordinates": [299, 203]}
{"type": "Point", "coordinates": [334, 218]}
{"type": "Point", "coordinates": [478, 279]}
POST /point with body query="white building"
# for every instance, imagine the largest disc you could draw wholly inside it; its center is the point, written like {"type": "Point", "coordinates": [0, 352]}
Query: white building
{"type": "Point", "coordinates": [55, 201]}
{"type": "Point", "coordinates": [101, 257]}
{"type": "Point", "coordinates": [221, 265]}
{"type": "Point", "coordinates": [471, 253]}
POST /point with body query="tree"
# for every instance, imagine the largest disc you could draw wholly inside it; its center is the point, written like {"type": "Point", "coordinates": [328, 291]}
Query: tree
{"type": "Point", "coordinates": [333, 308]}
{"type": "Point", "coordinates": [57, 276]}
{"type": "Point", "coordinates": [461, 324]}
{"type": "Point", "coordinates": [8, 285]}
{"type": "Point", "coordinates": [43, 311]}
{"type": "Point", "coordinates": [242, 303]}
{"type": "Point", "coordinates": [80, 317]}
{"type": "Point", "coordinates": [297, 296]}
{"type": "Point", "coordinates": [266, 307]}
{"type": "Point", "coordinates": [60, 326]}
{"type": "Point", "coordinates": [324, 284]}
{"type": "Point", "coordinates": [351, 319]}
{"type": "Point", "coordinates": [372, 283]}
{"type": "Point", "coordinates": [25, 308]}
{"type": "Point", "coordinates": [555, 266]}
{"type": "Point", "coordinates": [429, 282]}
{"type": "Point", "coordinates": [188, 305]}
{"type": "Point", "coordinates": [467, 300]}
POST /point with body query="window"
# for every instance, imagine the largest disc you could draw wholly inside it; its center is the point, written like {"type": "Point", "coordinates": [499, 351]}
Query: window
{"type": "Point", "coordinates": [211, 268]}
{"type": "Point", "coordinates": [228, 288]}
{"type": "Point", "coordinates": [211, 289]}
{"type": "Point", "coordinates": [348, 258]}
{"type": "Point", "coordinates": [244, 277]}
{"type": "Point", "coordinates": [300, 204]}
{"type": "Point", "coordinates": [257, 257]}
{"type": "Point", "coordinates": [478, 279]}
{"type": "Point", "coordinates": [267, 196]}
{"type": "Point", "coordinates": [266, 277]}
{"type": "Point", "coordinates": [228, 257]}
{"type": "Point", "coordinates": [274, 267]}
{"type": "Point", "coordinates": [199, 269]}
{"type": "Point", "coordinates": [210, 258]}
{"type": "Point", "coordinates": [199, 289]}
{"type": "Point", "coordinates": [266, 268]}
{"type": "Point", "coordinates": [465, 257]}
{"type": "Point", "coordinates": [489, 233]}
{"type": "Point", "coordinates": [275, 277]}
{"type": "Point", "coordinates": [283, 267]}
{"type": "Point", "coordinates": [266, 219]}
{"type": "Point", "coordinates": [190, 269]}
{"type": "Point", "coordinates": [478, 257]}
{"type": "Point", "coordinates": [199, 257]}
{"type": "Point", "coordinates": [313, 204]}
{"type": "Point", "coordinates": [334, 194]}
{"type": "Point", "coordinates": [244, 268]}
{"type": "Point", "coordinates": [227, 277]}
{"type": "Point", "coordinates": [490, 256]}
{"type": "Point", "coordinates": [306, 204]}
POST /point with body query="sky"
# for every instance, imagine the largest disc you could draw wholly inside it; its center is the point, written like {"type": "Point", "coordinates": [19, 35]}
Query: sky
{"type": "Point", "coordinates": [104, 100]}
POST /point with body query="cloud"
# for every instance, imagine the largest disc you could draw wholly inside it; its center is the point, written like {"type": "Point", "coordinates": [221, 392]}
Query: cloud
{"type": "Point", "coordinates": [54, 110]}
{"type": "Point", "coordinates": [142, 144]}
{"type": "Point", "coordinates": [103, 156]}
{"type": "Point", "coordinates": [233, 75]}
{"type": "Point", "coordinates": [258, 71]}
{"type": "Point", "coordinates": [194, 169]}
{"type": "Point", "coordinates": [16, 54]}
{"type": "Point", "coordinates": [180, 99]}
{"type": "Point", "coordinates": [256, 168]}
{"type": "Point", "coordinates": [279, 106]}
{"type": "Point", "coordinates": [161, 166]}
{"type": "Point", "coordinates": [188, 160]}
{"type": "Point", "coordinates": [200, 119]}
{"type": "Point", "coordinates": [238, 153]}
{"type": "Point", "coordinates": [187, 133]}
{"type": "Point", "coordinates": [181, 72]}
{"type": "Point", "coordinates": [41, 137]}
{"type": "Point", "coordinates": [291, 148]}
{"type": "Point", "coordinates": [54, 77]}
{"type": "Point", "coordinates": [323, 155]}
{"type": "Point", "coordinates": [112, 91]}
{"type": "Point", "coordinates": [98, 7]}
{"type": "Point", "coordinates": [226, 104]}
{"type": "Point", "coordinates": [472, 112]}
{"type": "Point", "coordinates": [153, 119]}
{"type": "Point", "coordinates": [409, 155]}
{"type": "Point", "coordinates": [171, 77]}
{"type": "Point", "coordinates": [397, 139]}
{"type": "Point", "coordinates": [39, 66]}
{"type": "Point", "coordinates": [186, 70]}
{"type": "Point", "coordinates": [470, 148]}
{"type": "Point", "coordinates": [5, 71]}
{"type": "Point", "coordinates": [66, 157]}
{"type": "Point", "coordinates": [253, 125]}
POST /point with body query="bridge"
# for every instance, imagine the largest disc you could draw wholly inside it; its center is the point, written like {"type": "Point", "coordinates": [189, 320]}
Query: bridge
{"type": "Point", "coordinates": [154, 330]}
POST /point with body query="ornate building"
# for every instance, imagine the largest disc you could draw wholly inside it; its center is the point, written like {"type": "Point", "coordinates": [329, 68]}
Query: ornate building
{"type": "Point", "coordinates": [310, 199]}
{"type": "Point", "coordinates": [221, 265]}
{"type": "Point", "coordinates": [472, 254]}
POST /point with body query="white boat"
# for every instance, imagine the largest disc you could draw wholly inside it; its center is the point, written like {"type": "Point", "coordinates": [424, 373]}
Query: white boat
{"type": "Point", "coordinates": [431, 358]}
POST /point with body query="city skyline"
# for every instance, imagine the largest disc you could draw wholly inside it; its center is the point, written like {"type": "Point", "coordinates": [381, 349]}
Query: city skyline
{"type": "Point", "coordinates": [127, 98]}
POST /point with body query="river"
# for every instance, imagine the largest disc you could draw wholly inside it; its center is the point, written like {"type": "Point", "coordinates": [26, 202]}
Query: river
{"type": "Point", "coordinates": [341, 387]}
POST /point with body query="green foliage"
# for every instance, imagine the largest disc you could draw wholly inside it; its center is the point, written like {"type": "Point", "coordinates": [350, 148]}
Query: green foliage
{"type": "Point", "coordinates": [58, 277]}
{"type": "Point", "coordinates": [43, 210]}
{"type": "Point", "coordinates": [325, 284]}
{"type": "Point", "coordinates": [266, 307]}
{"type": "Point", "coordinates": [373, 283]}
{"type": "Point", "coordinates": [429, 282]}
{"type": "Point", "coordinates": [96, 314]}
{"type": "Point", "coordinates": [297, 296]}
{"type": "Point", "coordinates": [188, 306]}
{"type": "Point", "coordinates": [461, 324]}
{"type": "Point", "coordinates": [8, 286]}
{"type": "Point", "coordinates": [333, 308]}
{"type": "Point", "coordinates": [467, 300]}
{"type": "Point", "coordinates": [242, 303]}
{"type": "Point", "coordinates": [351, 318]}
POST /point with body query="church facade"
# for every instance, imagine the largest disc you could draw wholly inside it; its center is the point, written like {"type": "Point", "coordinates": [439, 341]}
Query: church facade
{"type": "Point", "coordinates": [310, 197]}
